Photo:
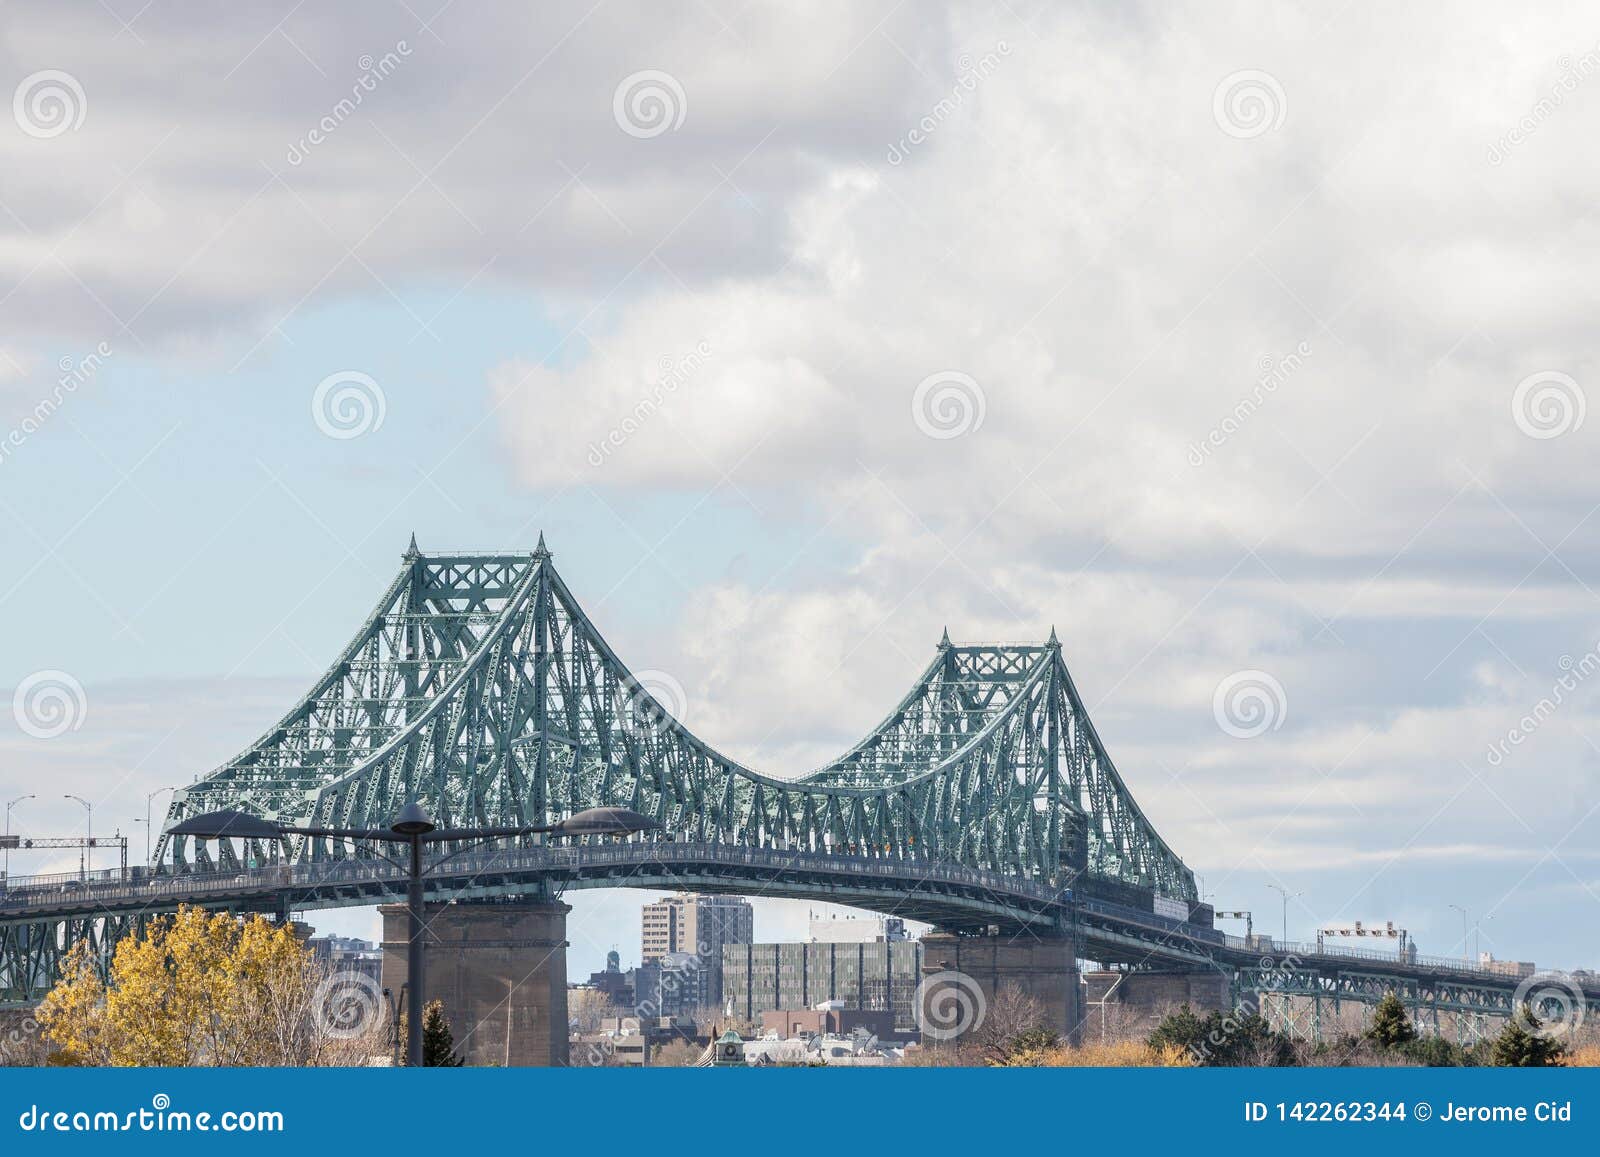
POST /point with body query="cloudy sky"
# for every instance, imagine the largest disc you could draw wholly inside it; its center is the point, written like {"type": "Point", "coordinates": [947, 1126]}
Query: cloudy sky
{"type": "Point", "coordinates": [1246, 345]}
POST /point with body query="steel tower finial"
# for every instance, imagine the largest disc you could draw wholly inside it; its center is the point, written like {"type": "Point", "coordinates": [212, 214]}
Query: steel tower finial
{"type": "Point", "coordinates": [945, 642]}
{"type": "Point", "coordinates": [412, 551]}
{"type": "Point", "coordinates": [541, 551]}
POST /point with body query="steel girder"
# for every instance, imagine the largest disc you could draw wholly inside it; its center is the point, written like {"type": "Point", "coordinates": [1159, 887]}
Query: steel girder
{"type": "Point", "coordinates": [31, 953]}
{"type": "Point", "coordinates": [479, 687]}
{"type": "Point", "coordinates": [1295, 994]}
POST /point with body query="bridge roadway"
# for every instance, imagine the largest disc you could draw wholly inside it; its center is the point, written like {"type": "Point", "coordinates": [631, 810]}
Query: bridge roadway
{"type": "Point", "coordinates": [1110, 930]}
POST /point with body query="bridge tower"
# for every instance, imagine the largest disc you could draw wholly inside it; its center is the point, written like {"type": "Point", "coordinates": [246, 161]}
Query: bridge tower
{"type": "Point", "coordinates": [500, 967]}
{"type": "Point", "coordinates": [965, 979]}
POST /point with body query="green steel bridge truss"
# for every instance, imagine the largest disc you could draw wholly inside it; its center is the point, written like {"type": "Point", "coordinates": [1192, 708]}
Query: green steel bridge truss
{"type": "Point", "coordinates": [479, 687]}
{"type": "Point", "coordinates": [1305, 997]}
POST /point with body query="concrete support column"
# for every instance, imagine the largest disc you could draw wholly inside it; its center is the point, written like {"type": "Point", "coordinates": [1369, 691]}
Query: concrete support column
{"type": "Point", "coordinates": [1045, 968]}
{"type": "Point", "coordinates": [501, 971]}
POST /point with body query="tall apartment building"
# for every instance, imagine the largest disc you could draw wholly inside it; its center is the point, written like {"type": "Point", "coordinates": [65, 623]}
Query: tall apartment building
{"type": "Point", "coordinates": [698, 925]}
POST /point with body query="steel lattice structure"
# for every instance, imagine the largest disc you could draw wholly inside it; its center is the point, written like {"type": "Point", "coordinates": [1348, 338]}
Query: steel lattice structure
{"type": "Point", "coordinates": [983, 802]}
{"type": "Point", "coordinates": [479, 687]}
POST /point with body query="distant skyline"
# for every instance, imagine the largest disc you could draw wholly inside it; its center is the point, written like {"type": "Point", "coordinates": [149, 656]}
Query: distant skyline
{"type": "Point", "coordinates": [1252, 356]}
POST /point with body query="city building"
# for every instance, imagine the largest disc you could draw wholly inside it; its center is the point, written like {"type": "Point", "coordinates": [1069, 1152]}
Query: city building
{"type": "Point", "coordinates": [866, 929]}
{"type": "Point", "coordinates": [347, 954]}
{"type": "Point", "coordinates": [676, 984]}
{"type": "Point", "coordinates": [1517, 968]}
{"type": "Point", "coordinates": [615, 984]}
{"type": "Point", "coordinates": [628, 1040]}
{"type": "Point", "coordinates": [700, 925]}
{"type": "Point", "coordinates": [881, 976]}
{"type": "Point", "coordinates": [830, 1018]}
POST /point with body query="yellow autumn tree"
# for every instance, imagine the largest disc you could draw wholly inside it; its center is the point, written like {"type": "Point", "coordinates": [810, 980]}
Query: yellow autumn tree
{"type": "Point", "coordinates": [204, 988]}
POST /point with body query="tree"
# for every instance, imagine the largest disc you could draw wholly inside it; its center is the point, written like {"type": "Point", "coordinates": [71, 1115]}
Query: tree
{"type": "Point", "coordinates": [1391, 1027]}
{"type": "Point", "coordinates": [438, 1042]}
{"type": "Point", "coordinates": [1013, 1022]}
{"type": "Point", "coordinates": [1521, 1045]}
{"type": "Point", "coordinates": [1220, 1039]}
{"type": "Point", "coordinates": [1180, 1029]}
{"type": "Point", "coordinates": [587, 1007]}
{"type": "Point", "coordinates": [201, 988]}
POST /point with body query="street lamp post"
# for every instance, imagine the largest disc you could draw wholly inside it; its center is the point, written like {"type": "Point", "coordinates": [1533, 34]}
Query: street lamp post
{"type": "Point", "coordinates": [9, 806]}
{"type": "Point", "coordinates": [1287, 896]}
{"type": "Point", "coordinates": [414, 828]}
{"type": "Point", "coordinates": [148, 821]}
{"type": "Point", "coordinates": [1464, 942]}
{"type": "Point", "coordinates": [88, 852]}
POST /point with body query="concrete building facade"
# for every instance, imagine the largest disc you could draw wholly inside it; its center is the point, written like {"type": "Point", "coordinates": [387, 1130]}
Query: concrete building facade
{"type": "Point", "coordinates": [881, 976]}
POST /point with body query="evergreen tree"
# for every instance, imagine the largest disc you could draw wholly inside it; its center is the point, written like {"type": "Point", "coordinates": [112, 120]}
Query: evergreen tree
{"type": "Point", "coordinates": [1520, 1044]}
{"type": "Point", "coordinates": [438, 1043]}
{"type": "Point", "coordinates": [1391, 1027]}
{"type": "Point", "coordinates": [1222, 1038]}
{"type": "Point", "coordinates": [1182, 1030]}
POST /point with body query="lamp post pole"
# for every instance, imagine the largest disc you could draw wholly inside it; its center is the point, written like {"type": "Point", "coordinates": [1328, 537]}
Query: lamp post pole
{"type": "Point", "coordinates": [1284, 892]}
{"type": "Point", "coordinates": [1464, 943]}
{"type": "Point", "coordinates": [9, 806]}
{"type": "Point", "coordinates": [148, 828]}
{"type": "Point", "coordinates": [414, 964]}
{"type": "Point", "coordinates": [88, 861]}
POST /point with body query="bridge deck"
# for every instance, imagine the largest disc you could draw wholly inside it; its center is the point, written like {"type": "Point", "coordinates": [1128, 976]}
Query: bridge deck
{"type": "Point", "coordinates": [950, 896]}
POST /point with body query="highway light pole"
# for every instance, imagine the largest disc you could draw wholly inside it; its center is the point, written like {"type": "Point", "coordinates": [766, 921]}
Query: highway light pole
{"type": "Point", "coordinates": [414, 828]}
{"type": "Point", "coordinates": [9, 806]}
{"type": "Point", "coordinates": [1284, 892]}
{"type": "Point", "coordinates": [148, 821]}
{"type": "Point", "coordinates": [87, 862]}
{"type": "Point", "coordinates": [1464, 942]}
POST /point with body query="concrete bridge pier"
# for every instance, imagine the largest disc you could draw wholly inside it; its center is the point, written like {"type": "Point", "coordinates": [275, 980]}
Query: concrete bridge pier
{"type": "Point", "coordinates": [501, 970]}
{"type": "Point", "coordinates": [960, 970]}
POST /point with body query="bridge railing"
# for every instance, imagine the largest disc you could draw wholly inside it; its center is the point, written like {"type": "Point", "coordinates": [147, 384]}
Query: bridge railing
{"type": "Point", "coordinates": [67, 889]}
{"type": "Point", "coordinates": [1415, 960]}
